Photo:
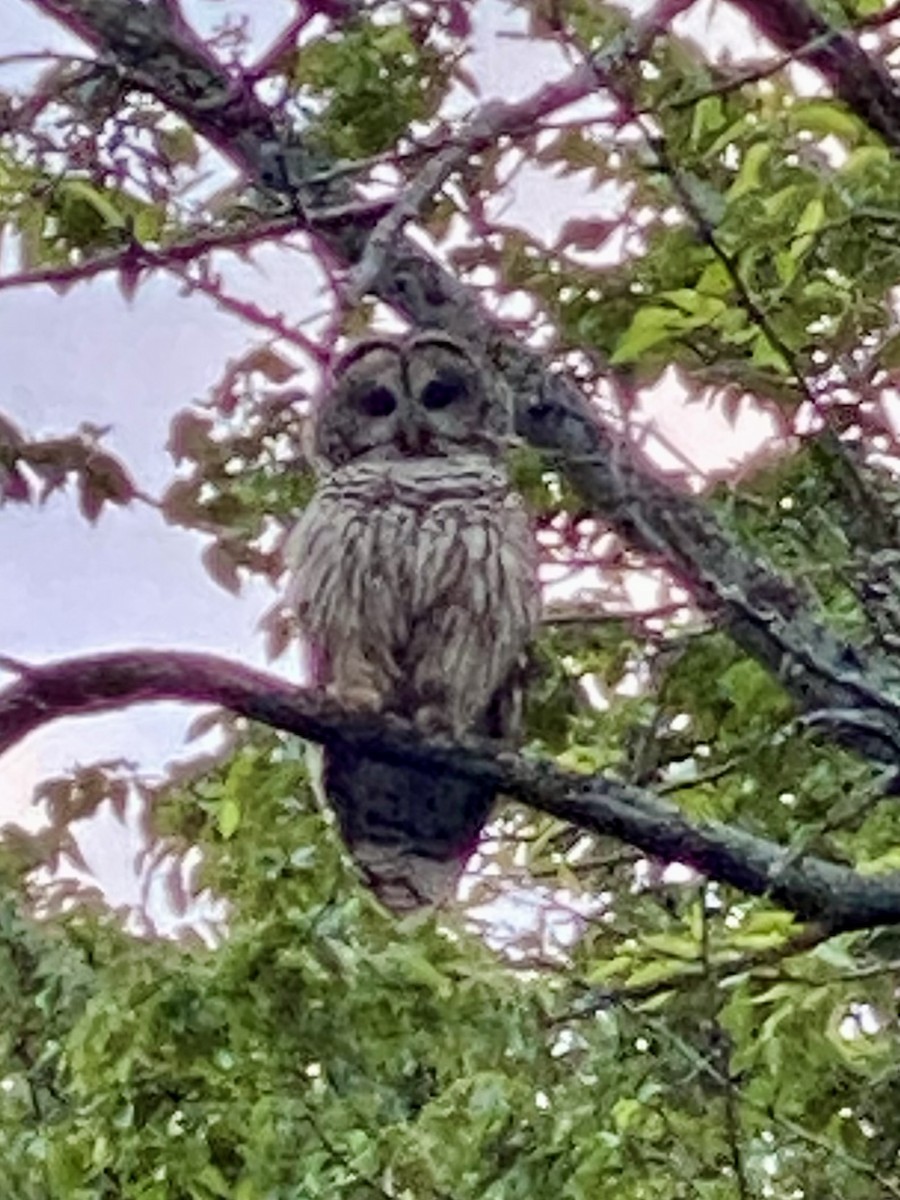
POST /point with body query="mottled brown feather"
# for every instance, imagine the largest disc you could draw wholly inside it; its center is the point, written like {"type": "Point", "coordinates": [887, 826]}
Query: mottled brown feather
{"type": "Point", "coordinates": [414, 577]}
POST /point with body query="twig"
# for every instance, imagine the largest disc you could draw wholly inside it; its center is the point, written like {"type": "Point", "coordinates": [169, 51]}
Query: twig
{"type": "Point", "coordinates": [711, 1071]}
{"type": "Point", "coordinates": [486, 125]}
{"type": "Point", "coordinates": [138, 257]}
{"type": "Point", "coordinates": [15, 666]}
{"type": "Point", "coordinates": [10, 60]}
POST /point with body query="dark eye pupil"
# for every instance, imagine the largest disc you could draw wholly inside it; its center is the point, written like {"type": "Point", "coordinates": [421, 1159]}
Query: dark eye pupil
{"type": "Point", "coordinates": [443, 391]}
{"type": "Point", "coordinates": [379, 402]}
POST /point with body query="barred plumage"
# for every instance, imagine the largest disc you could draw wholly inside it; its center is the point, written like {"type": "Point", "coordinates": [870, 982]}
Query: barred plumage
{"type": "Point", "coordinates": [415, 581]}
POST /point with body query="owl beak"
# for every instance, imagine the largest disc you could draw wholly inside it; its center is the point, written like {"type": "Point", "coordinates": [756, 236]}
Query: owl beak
{"type": "Point", "coordinates": [411, 437]}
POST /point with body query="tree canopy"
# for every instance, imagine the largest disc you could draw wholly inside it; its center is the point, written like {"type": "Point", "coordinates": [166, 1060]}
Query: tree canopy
{"type": "Point", "coordinates": [672, 970]}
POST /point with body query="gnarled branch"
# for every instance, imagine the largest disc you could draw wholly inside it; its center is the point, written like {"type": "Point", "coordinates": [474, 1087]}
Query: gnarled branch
{"type": "Point", "coordinates": [837, 897]}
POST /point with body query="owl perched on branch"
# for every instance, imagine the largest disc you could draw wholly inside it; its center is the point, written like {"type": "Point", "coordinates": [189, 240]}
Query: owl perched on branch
{"type": "Point", "coordinates": [414, 576]}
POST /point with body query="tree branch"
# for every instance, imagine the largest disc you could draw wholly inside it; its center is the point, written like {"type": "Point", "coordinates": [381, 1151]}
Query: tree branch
{"type": "Point", "coordinates": [814, 889]}
{"type": "Point", "coordinates": [136, 257]}
{"type": "Point", "coordinates": [857, 79]}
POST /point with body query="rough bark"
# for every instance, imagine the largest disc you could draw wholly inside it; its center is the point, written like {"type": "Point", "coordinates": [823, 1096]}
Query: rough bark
{"type": "Point", "coordinates": [834, 896]}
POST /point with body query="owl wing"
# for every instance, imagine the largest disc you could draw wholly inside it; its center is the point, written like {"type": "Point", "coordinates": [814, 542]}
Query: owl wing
{"type": "Point", "coordinates": [478, 611]}
{"type": "Point", "coordinates": [408, 832]}
{"type": "Point", "coordinates": [342, 606]}
{"type": "Point", "coordinates": [425, 604]}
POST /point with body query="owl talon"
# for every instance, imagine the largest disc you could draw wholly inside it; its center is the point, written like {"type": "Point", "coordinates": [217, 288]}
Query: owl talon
{"type": "Point", "coordinates": [432, 720]}
{"type": "Point", "coordinates": [357, 699]}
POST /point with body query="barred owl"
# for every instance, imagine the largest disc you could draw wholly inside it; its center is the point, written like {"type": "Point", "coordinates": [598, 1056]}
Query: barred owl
{"type": "Point", "coordinates": [414, 576]}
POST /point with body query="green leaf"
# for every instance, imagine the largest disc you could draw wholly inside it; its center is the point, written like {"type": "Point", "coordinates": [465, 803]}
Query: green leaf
{"type": "Point", "coordinates": [78, 191]}
{"type": "Point", "coordinates": [649, 327]}
{"type": "Point", "coordinates": [812, 218]}
{"type": "Point", "coordinates": [767, 355]}
{"type": "Point", "coordinates": [229, 817]}
{"type": "Point", "coordinates": [708, 117]}
{"type": "Point", "coordinates": [889, 352]}
{"type": "Point", "coordinates": [826, 117]}
{"type": "Point", "coordinates": [749, 176]}
{"type": "Point", "coordinates": [664, 971]}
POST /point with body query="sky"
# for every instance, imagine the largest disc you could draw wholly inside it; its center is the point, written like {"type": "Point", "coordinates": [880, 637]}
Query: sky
{"type": "Point", "coordinates": [131, 581]}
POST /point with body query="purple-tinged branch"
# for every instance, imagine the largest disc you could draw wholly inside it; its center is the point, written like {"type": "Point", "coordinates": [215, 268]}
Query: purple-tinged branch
{"type": "Point", "coordinates": [811, 887]}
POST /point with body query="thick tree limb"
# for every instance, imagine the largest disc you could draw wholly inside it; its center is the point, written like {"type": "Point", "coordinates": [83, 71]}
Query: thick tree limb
{"type": "Point", "coordinates": [856, 77]}
{"type": "Point", "coordinates": [814, 889]}
{"type": "Point", "coordinates": [767, 615]}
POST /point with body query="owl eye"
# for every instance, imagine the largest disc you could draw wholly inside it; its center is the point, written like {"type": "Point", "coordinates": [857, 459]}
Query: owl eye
{"type": "Point", "coordinates": [377, 402]}
{"type": "Point", "coordinates": [443, 391]}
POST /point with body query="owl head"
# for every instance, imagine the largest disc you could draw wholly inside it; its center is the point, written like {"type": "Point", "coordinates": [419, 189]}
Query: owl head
{"type": "Point", "coordinates": [423, 396]}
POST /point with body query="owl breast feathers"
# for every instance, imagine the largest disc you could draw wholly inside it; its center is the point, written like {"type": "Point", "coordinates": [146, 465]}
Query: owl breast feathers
{"type": "Point", "coordinates": [414, 577]}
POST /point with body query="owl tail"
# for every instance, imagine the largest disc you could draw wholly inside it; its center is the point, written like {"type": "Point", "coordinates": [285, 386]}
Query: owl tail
{"type": "Point", "coordinates": [409, 830]}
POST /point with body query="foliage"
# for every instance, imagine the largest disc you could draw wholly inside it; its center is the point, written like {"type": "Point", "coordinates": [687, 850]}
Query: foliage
{"type": "Point", "coordinates": [375, 81]}
{"type": "Point", "coordinates": [609, 1025]}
